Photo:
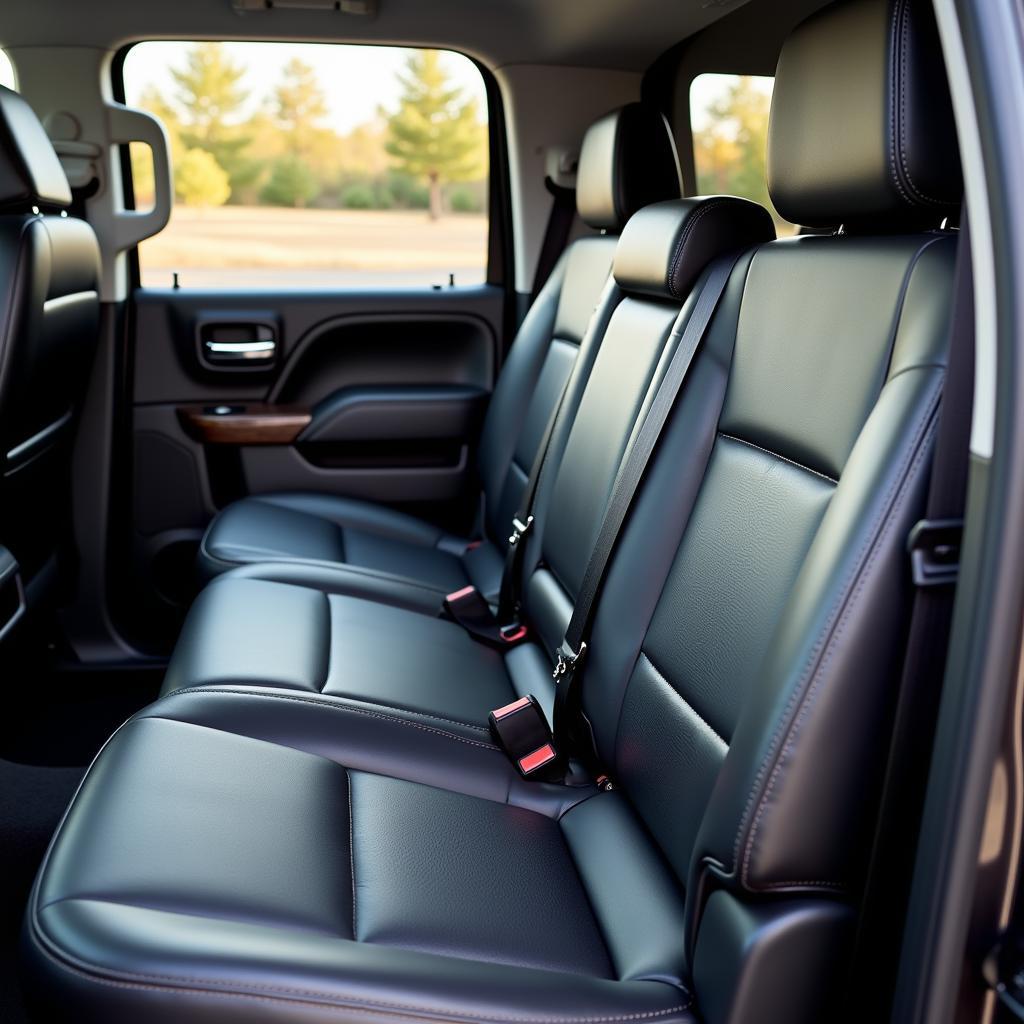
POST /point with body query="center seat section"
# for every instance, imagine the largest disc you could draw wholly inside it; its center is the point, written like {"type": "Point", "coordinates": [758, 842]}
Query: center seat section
{"type": "Point", "coordinates": [307, 628]}
{"type": "Point", "coordinates": [627, 161]}
{"type": "Point", "coordinates": [241, 855]}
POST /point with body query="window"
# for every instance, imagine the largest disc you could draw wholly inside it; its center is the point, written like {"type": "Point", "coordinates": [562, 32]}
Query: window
{"type": "Point", "coordinates": [729, 117]}
{"type": "Point", "coordinates": [7, 71]}
{"type": "Point", "coordinates": [314, 165]}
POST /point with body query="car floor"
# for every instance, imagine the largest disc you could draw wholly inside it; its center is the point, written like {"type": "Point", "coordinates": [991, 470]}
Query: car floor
{"type": "Point", "coordinates": [57, 718]}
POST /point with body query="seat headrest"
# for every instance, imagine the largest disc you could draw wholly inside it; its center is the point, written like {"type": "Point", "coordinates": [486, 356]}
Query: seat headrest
{"type": "Point", "coordinates": [627, 161]}
{"type": "Point", "coordinates": [665, 247]}
{"type": "Point", "coordinates": [862, 129]}
{"type": "Point", "coordinates": [30, 171]}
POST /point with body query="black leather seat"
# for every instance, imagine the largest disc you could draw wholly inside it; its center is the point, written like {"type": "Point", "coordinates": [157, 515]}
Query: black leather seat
{"type": "Point", "coordinates": [627, 161]}
{"type": "Point", "coordinates": [311, 628]}
{"type": "Point", "coordinates": [49, 322]}
{"type": "Point", "coordinates": [242, 853]}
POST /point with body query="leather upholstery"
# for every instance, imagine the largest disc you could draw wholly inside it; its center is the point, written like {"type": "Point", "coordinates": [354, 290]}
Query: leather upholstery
{"type": "Point", "coordinates": [665, 247]}
{"type": "Point", "coordinates": [49, 322]}
{"type": "Point", "coordinates": [337, 843]}
{"type": "Point", "coordinates": [861, 131]}
{"type": "Point", "coordinates": [30, 172]}
{"type": "Point", "coordinates": [628, 160]}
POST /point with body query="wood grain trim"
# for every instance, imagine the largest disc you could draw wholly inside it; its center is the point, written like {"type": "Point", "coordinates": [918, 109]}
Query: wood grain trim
{"type": "Point", "coordinates": [255, 423]}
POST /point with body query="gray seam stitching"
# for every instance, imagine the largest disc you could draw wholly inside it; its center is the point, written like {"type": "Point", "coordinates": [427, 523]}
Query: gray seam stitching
{"type": "Point", "coordinates": [688, 229]}
{"type": "Point", "coordinates": [782, 458]}
{"type": "Point", "coordinates": [352, 852]}
{"type": "Point", "coordinates": [696, 714]}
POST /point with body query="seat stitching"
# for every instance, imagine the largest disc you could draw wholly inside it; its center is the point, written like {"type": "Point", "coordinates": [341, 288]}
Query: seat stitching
{"type": "Point", "coordinates": [338, 707]}
{"type": "Point", "coordinates": [281, 993]}
{"type": "Point", "coordinates": [782, 458]}
{"type": "Point", "coordinates": [688, 229]}
{"type": "Point", "coordinates": [808, 700]}
{"type": "Point", "coordinates": [800, 696]}
{"type": "Point", "coordinates": [352, 851]}
{"type": "Point", "coordinates": [696, 714]}
{"type": "Point", "coordinates": [901, 29]}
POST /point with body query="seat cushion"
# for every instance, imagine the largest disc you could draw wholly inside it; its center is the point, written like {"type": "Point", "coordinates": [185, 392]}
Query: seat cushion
{"type": "Point", "coordinates": [246, 631]}
{"type": "Point", "coordinates": [334, 530]}
{"type": "Point", "coordinates": [223, 863]}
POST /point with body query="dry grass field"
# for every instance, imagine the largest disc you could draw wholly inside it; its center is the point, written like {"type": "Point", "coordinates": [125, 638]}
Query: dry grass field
{"type": "Point", "coordinates": [238, 246]}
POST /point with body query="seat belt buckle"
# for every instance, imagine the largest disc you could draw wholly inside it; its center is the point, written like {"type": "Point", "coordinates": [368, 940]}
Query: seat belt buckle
{"type": "Point", "coordinates": [519, 529]}
{"type": "Point", "coordinates": [934, 546]}
{"type": "Point", "coordinates": [521, 730]}
{"type": "Point", "coordinates": [470, 609]}
{"type": "Point", "coordinates": [566, 659]}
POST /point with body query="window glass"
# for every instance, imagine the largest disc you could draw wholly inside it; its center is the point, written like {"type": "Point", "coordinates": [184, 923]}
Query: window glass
{"type": "Point", "coordinates": [7, 71]}
{"type": "Point", "coordinates": [729, 117]}
{"type": "Point", "coordinates": [314, 165]}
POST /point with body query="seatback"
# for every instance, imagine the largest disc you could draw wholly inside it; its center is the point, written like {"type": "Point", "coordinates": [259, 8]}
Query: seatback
{"type": "Point", "coordinates": [49, 320]}
{"type": "Point", "coordinates": [627, 161]}
{"type": "Point", "coordinates": [659, 266]}
{"type": "Point", "coordinates": [747, 647]}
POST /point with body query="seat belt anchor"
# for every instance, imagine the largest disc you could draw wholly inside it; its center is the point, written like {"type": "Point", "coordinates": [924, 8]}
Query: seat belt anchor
{"type": "Point", "coordinates": [566, 658]}
{"type": "Point", "coordinates": [519, 529]}
{"type": "Point", "coordinates": [934, 546]}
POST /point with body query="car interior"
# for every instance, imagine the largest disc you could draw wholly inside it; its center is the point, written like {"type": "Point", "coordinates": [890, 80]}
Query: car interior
{"type": "Point", "coordinates": [509, 511]}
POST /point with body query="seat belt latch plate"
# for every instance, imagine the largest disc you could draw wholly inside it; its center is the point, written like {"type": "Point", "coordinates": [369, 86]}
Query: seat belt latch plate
{"type": "Point", "coordinates": [567, 659]}
{"type": "Point", "coordinates": [934, 546]}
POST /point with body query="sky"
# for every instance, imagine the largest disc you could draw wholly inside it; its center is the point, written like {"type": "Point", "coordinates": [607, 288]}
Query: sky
{"type": "Point", "coordinates": [6, 71]}
{"type": "Point", "coordinates": [356, 79]}
{"type": "Point", "coordinates": [707, 88]}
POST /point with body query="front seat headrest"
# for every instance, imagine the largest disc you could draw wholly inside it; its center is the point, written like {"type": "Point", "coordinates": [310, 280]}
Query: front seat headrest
{"type": "Point", "coordinates": [628, 160]}
{"type": "Point", "coordinates": [862, 129]}
{"type": "Point", "coordinates": [30, 171]}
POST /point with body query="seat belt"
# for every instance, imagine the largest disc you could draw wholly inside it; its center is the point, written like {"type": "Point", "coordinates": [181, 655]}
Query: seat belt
{"type": "Point", "coordinates": [556, 233]}
{"type": "Point", "coordinates": [934, 548]}
{"type": "Point", "coordinates": [551, 748]}
{"type": "Point", "coordinates": [568, 714]}
{"type": "Point", "coordinates": [468, 606]}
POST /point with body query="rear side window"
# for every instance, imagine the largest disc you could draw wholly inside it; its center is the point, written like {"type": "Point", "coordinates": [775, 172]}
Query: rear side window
{"type": "Point", "coordinates": [314, 165]}
{"type": "Point", "coordinates": [729, 118]}
{"type": "Point", "coordinates": [6, 71]}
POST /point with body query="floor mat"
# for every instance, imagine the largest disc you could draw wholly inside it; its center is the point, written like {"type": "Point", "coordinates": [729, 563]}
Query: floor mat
{"type": "Point", "coordinates": [32, 800]}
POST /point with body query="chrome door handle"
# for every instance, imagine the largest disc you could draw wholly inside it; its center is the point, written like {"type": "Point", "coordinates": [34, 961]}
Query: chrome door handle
{"type": "Point", "coordinates": [231, 351]}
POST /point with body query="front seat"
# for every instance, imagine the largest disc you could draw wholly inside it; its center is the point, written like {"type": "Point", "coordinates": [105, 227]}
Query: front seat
{"type": "Point", "coordinates": [49, 322]}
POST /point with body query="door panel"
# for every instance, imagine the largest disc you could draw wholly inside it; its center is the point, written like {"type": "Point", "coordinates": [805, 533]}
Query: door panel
{"type": "Point", "coordinates": [376, 395]}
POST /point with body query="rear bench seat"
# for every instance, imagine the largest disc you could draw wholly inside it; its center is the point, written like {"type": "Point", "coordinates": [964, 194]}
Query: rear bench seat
{"type": "Point", "coordinates": [627, 161]}
{"type": "Point", "coordinates": [242, 853]}
{"type": "Point", "coordinates": [310, 628]}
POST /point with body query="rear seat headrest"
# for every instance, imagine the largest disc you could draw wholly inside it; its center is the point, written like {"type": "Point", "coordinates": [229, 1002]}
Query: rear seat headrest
{"type": "Point", "coordinates": [30, 171]}
{"type": "Point", "coordinates": [664, 247]}
{"type": "Point", "coordinates": [862, 129]}
{"type": "Point", "coordinates": [628, 159]}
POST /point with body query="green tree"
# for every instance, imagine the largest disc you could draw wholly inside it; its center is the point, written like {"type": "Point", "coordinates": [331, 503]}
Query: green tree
{"type": "Point", "coordinates": [210, 96]}
{"type": "Point", "coordinates": [291, 183]}
{"type": "Point", "coordinates": [299, 105]}
{"type": "Point", "coordinates": [731, 151]}
{"type": "Point", "coordinates": [199, 180]}
{"type": "Point", "coordinates": [435, 134]}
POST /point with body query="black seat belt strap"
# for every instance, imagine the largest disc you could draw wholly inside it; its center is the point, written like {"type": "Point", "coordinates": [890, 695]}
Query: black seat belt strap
{"type": "Point", "coordinates": [631, 471]}
{"type": "Point", "coordinates": [934, 548]}
{"type": "Point", "coordinates": [556, 233]}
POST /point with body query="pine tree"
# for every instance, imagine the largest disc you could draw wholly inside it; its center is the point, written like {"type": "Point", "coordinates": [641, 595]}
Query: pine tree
{"type": "Point", "coordinates": [210, 96]}
{"type": "Point", "coordinates": [299, 105]}
{"type": "Point", "coordinates": [435, 134]}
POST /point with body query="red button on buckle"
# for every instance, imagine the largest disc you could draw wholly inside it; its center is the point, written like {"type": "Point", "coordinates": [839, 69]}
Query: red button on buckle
{"type": "Point", "coordinates": [509, 709]}
{"type": "Point", "coordinates": [540, 757]}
